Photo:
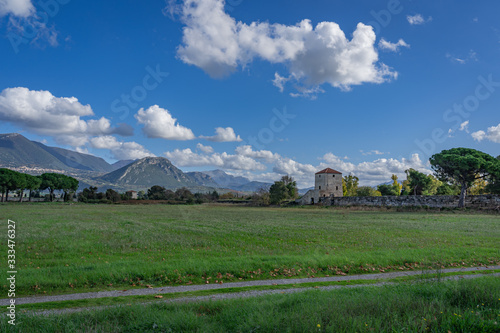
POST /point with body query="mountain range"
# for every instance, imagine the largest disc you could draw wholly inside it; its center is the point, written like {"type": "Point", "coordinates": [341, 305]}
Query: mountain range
{"type": "Point", "coordinates": [20, 154]}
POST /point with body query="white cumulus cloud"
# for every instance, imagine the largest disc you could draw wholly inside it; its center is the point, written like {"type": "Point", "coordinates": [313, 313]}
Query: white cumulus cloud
{"type": "Point", "coordinates": [188, 158]}
{"type": "Point", "coordinates": [417, 19]}
{"type": "Point", "coordinates": [267, 155]}
{"type": "Point", "coordinates": [120, 150]}
{"type": "Point", "coordinates": [372, 152]}
{"type": "Point", "coordinates": [27, 26]}
{"type": "Point", "coordinates": [492, 134]}
{"type": "Point", "coordinates": [21, 8]}
{"type": "Point", "coordinates": [205, 149]}
{"type": "Point", "coordinates": [42, 113]}
{"type": "Point", "coordinates": [217, 43]}
{"type": "Point", "coordinates": [290, 167]}
{"type": "Point", "coordinates": [394, 47]}
{"type": "Point", "coordinates": [159, 123]}
{"type": "Point", "coordinates": [223, 135]}
{"type": "Point", "coordinates": [464, 126]}
{"type": "Point", "coordinates": [479, 135]}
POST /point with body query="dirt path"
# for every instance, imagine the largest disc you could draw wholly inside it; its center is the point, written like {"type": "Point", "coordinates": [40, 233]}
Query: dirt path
{"type": "Point", "coordinates": [177, 289]}
{"type": "Point", "coordinates": [239, 295]}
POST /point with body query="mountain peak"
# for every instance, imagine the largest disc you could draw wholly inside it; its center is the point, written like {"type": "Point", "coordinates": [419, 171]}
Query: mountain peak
{"type": "Point", "coordinates": [12, 136]}
{"type": "Point", "coordinates": [150, 171]}
{"type": "Point", "coordinates": [154, 160]}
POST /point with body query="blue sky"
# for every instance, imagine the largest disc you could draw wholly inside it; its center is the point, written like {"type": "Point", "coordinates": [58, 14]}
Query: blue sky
{"type": "Point", "coordinates": [256, 88]}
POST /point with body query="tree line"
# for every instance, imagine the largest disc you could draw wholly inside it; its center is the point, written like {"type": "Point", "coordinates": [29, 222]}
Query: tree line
{"type": "Point", "coordinates": [13, 181]}
{"type": "Point", "coordinates": [156, 192]}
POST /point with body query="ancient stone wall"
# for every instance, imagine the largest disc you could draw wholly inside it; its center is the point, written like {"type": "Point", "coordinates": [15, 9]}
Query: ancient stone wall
{"type": "Point", "coordinates": [311, 197]}
{"type": "Point", "coordinates": [437, 201]}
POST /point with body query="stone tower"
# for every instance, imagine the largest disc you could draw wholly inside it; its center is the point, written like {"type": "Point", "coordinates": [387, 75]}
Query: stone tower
{"type": "Point", "coordinates": [328, 182]}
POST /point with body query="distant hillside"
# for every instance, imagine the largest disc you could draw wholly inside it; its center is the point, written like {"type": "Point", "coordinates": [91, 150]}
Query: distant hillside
{"type": "Point", "coordinates": [150, 171]}
{"type": "Point", "coordinates": [236, 183]}
{"type": "Point", "coordinates": [202, 179]}
{"type": "Point", "coordinates": [226, 181]}
{"type": "Point", "coordinates": [77, 160]}
{"type": "Point", "coordinates": [17, 151]}
{"type": "Point", "coordinates": [389, 183]}
{"type": "Point", "coordinates": [252, 187]}
{"type": "Point", "coordinates": [121, 164]}
{"type": "Point", "coordinates": [304, 190]}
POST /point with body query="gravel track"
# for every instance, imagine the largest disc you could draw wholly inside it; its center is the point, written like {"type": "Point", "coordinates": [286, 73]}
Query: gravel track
{"type": "Point", "coordinates": [191, 288]}
{"type": "Point", "coordinates": [244, 294]}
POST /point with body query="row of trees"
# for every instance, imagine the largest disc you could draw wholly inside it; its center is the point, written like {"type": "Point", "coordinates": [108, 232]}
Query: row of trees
{"type": "Point", "coordinates": [457, 171]}
{"type": "Point", "coordinates": [13, 181]}
{"type": "Point", "coordinates": [416, 183]}
{"type": "Point", "coordinates": [182, 195]}
{"type": "Point", "coordinates": [90, 195]}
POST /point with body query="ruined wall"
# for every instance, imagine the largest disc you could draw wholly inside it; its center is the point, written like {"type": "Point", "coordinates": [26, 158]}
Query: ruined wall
{"type": "Point", "coordinates": [438, 201]}
{"type": "Point", "coordinates": [306, 199]}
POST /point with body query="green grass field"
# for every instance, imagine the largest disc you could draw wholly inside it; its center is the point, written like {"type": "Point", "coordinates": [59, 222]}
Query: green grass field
{"type": "Point", "coordinates": [62, 248]}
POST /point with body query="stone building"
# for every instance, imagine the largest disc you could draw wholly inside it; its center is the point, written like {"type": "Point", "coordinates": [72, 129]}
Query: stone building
{"type": "Point", "coordinates": [327, 183]}
{"type": "Point", "coordinates": [131, 195]}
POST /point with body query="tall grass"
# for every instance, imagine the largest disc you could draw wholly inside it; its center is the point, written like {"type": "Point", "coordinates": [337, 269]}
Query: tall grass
{"type": "Point", "coordinates": [67, 248]}
{"type": "Point", "coordinates": [451, 306]}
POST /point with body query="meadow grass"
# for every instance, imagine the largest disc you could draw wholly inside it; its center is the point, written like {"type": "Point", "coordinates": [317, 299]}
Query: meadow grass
{"type": "Point", "coordinates": [451, 306]}
{"type": "Point", "coordinates": [66, 248]}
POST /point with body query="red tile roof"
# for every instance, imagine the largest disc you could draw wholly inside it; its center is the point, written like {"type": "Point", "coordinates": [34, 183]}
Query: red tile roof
{"type": "Point", "coordinates": [328, 170]}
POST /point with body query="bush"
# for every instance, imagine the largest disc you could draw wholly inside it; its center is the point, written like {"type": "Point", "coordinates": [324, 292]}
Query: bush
{"type": "Point", "coordinates": [261, 198]}
{"type": "Point", "coordinates": [367, 191]}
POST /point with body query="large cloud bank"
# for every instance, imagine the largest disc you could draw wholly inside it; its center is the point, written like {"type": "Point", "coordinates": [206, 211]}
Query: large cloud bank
{"type": "Point", "coordinates": [217, 43]}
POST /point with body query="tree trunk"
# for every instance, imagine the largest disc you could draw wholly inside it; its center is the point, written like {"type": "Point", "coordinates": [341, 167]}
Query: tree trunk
{"type": "Point", "coordinates": [21, 195]}
{"type": "Point", "coordinates": [7, 196]}
{"type": "Point", "coordinates": [51, 195]}
{"type": "Point", "coordinates": [461, 201]}
{"type": "Point", "coordinates": [30, 196]}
